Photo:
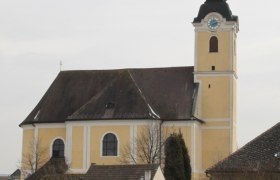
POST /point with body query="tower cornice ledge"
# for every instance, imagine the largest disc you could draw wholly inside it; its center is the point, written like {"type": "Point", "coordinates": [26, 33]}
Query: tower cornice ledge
{"type": "Point", "coordinates": [214, 73]}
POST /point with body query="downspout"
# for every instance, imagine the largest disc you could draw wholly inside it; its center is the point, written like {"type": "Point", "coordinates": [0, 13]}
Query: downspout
{"type": "Point", "coordinates": [160, 147]}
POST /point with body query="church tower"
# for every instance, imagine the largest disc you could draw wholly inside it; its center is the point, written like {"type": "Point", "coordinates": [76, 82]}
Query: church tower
{"type": "Point", "coordinates": [216, 72]}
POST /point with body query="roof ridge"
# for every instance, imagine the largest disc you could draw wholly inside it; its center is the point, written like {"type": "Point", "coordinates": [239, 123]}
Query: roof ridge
{"type": "Point", "coordinates": [41, 103]}
{"type": "Point", "coordinates": [152, 111]}
{"type": "Point", "coordinates": [259, 136]}
{"type": "Point", "coordinates": [125, 69]}
{"type": "Point", "coordinates": [95, 97]}
{"type": "Point", "coordinates": [243, 147]}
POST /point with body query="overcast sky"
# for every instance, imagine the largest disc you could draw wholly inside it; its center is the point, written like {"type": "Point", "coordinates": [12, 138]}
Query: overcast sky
{"type": "Point", "coordinates": [104, 34]}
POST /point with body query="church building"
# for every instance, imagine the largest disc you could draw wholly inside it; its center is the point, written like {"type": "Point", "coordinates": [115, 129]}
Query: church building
{"type": "Point", "coordinates": [89, 116]}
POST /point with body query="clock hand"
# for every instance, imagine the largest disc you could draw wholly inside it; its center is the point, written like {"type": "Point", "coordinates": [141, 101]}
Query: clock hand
{"type": "Point", "coordinates": [214, 23]}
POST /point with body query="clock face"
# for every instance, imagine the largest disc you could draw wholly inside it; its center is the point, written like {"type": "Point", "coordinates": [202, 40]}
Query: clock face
{"type": "Point", "coordinates": [213, 23]}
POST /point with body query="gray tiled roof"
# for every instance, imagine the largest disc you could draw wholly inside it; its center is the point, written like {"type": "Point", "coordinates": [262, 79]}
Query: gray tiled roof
{"type": "Point", "coordinates": [55, 166]}
{"type": "Point", "coordinates": [63, 177]}
{"type": "Point", "coordinates": [108, 172]}
{"type": "Point", "coordinates": [16, 173]}
{"type": "Point", "coordinates": [119, 172]}
{"type": "Point", "coordinates": [258, 155]}
{"type": "Point", "coordinates": [153, 93]}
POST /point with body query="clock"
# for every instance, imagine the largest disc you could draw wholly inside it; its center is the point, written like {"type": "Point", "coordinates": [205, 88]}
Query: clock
{"type": "Point", "coordinates": [213, 23]}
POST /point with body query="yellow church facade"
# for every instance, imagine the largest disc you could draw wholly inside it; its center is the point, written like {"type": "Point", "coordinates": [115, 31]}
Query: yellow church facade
{"type": "Point", "coordinates": [90, 116]}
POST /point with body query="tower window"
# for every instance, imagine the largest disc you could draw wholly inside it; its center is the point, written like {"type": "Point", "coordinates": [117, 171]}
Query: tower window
{"type": "Point", "coordinates": [58, 149]}
{"type": "Point", "coordinates": [110, 145]}
{"type": "Point", "coordinates": [213, 68]}
{"type": "Point", "coordinates": [213, 44]}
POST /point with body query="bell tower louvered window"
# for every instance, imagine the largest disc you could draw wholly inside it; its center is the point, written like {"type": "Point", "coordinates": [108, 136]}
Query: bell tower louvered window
{"type": "Point", "coordinates": [213, 44]}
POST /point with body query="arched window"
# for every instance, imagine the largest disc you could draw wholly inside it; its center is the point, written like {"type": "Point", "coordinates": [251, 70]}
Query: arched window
{"type": "Point", "coordinates": [58, 149]}
{"type": "Point", "coordinates": [213, 44]}
{"type": "Point", "coordinates": [110, 145]}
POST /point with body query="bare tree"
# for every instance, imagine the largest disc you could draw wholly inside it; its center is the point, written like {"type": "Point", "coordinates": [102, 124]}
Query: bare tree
{"type": "Point", "coordinates": [34, 158]}
{"type": "Point", "coordinates": [146, 147]}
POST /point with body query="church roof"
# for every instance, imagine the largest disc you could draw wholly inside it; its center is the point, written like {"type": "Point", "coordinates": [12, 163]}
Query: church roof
{"type": "Point", "coordinates": [260, 155]}
{"type": "Point", "coordinates": [219, 6]}
{"type": "Point", "coordinates": [152, 93]}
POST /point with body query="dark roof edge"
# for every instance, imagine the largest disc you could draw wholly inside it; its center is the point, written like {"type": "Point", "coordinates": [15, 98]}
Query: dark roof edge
{"type": "Point", "coordinates": [125, 119]}
{"type": "Point", "coordinates": [191, 119]}
{"type": "Point", "coordinates": [40, 101]}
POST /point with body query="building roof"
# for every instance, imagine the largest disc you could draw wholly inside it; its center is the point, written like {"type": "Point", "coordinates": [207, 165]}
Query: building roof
{"type": "Point", "coordinates": [219, 6]}
{"type": "Point", "coordinates": [16, 173]}
{"type": "Point", "coordinates": [154, 93]}
{"type": "Point", "coordinates": [63, 177]}
{"type": "Point", "coordinates": [108, 172]}
{"type": "Point", "coordinates": [120, 172]}
{"type": "Point", "coordinates": [261, 154]}
{"type": "Point", "coordinates": [55, 166]}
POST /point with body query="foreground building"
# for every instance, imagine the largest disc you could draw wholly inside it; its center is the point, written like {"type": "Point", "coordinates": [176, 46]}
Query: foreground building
{"type": "Point", "coordinates": [15, 175]}
{"type": "Point", "coordinates": [89, 116]}
{"type": "Point", "coordinates": [56, 169]}
{"type": "Point", "coordinates": [258, 159]}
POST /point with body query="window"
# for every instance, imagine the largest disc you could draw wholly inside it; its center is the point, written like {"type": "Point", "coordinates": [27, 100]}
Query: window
{"type": "Point", "coordinates": [213, 44]}
{"type": "Point", "coordinates": [109, 145]}
{"type": "Point", "coordinates": [58, 149]}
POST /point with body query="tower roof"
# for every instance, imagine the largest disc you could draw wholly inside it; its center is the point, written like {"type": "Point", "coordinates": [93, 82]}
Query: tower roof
{"type": "Point", "coordinates": [219, 6]}
{"type": "Point", "coordinates": [216, 0]}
